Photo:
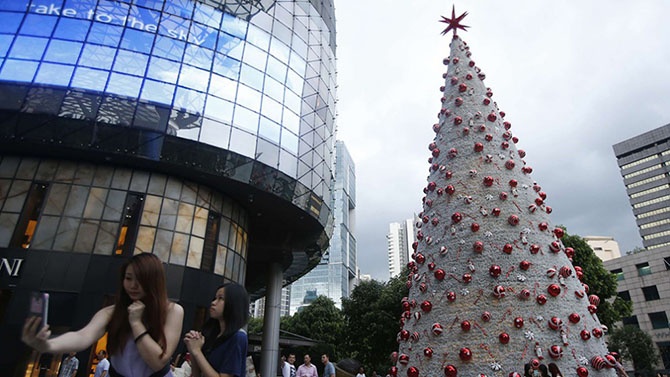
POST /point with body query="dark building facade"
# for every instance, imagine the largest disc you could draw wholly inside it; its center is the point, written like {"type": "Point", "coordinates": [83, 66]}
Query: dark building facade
{"type": "Point", "coordinates": [200, 131]}
{"type": "Point", "coordinates": [644, 161]}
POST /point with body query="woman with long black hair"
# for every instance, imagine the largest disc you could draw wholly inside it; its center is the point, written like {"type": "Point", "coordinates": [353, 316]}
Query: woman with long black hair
{"type": "Point", "coordinates": [143, 326]}
{"type": "Point", "coordinates": [220, 350]}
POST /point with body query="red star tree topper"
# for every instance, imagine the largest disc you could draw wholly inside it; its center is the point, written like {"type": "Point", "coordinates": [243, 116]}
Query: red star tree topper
{"type": "Point", "coordinates": [491, 285]}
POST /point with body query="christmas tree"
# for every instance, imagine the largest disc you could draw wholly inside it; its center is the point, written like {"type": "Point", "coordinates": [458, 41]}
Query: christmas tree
{"type": "Point", "coordinates": [492, 288]}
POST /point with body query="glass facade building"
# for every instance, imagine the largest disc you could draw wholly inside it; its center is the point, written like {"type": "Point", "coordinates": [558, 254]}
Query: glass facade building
{"type": "Point", "coordinates": [337, 273]}
{"type": "Point", "coordinates": [201, 131]}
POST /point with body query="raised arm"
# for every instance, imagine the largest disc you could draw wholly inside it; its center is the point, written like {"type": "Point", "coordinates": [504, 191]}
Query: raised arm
{"type": "Point", "coordinates": [149, 349]}
{"type": "Point", "coordinates": [73, 341]}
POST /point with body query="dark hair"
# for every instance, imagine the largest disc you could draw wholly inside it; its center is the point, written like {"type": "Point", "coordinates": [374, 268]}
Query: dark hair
{"type": "Point", "coordinates": [543, 370]}
{"type": "Point", "coordinates": [151, 276]}
{"type": "Point", "coordinates": [526, 370]}
{"type": "Point", "coordinates": [235, 316]}
{"type": "Point", "coordinates": [553, 369]}
{"type": "Point", "coordinates": [103, 352]}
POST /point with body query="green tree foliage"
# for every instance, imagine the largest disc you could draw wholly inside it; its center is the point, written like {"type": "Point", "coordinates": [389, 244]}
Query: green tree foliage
{"type": "Point", "coordinates": [372, 314]}
{"type": "Point", "coordinates": [255, 325]}
{"type": "Point", "coordinates": [321, 321]}
{"type": "Point", "coordinates": [634, 344]}
{"type": "Point", "coordinates": [601, 282]}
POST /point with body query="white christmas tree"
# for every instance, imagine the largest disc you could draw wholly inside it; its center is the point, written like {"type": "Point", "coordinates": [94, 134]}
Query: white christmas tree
{"type": "Point", "coordinates": [492, 287]}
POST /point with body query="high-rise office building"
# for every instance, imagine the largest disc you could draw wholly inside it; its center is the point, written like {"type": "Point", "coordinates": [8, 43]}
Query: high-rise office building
{"type": "Point", "coordinates": [337, 272]}
{"type": "Point", "coordinates": [644, 161]}
{"type": "Point", "coordinates": [258, 306]}
{"type": "Point", "coordinates": [199, 130]}
{"type": "Point", "coordinates": [399, 239]}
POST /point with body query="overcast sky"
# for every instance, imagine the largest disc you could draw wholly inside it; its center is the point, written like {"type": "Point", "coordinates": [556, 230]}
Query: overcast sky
{"type": "Point", "coordinates": [574, 78]}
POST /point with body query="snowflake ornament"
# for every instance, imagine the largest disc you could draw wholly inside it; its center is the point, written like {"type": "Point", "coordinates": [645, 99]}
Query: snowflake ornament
{"type": "Point", "coordinates": [529, 335]}
{"type": "Point", "coordinates": [495, 366]}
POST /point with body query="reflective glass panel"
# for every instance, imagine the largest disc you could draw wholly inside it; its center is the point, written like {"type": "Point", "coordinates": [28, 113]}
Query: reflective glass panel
{"type": "Point", "coordinates": [190, 100]}
{"type": "Point", "coordinates": [230, 46]}
{"type": "Point", "coordinates": [294, 81]}
{"type": "Point", "coordinates": [203, 36]}
{"type": "Point", "coordinates": [276, 69]}
{"type": "Point", "coordinates": [207, 15]}
{"type": "Point", "coordinates": [269, 129]}
{"type": "Point", "coordinates": [124, 85]}
{"type": "Point", "coordinates": [5, 41]}
{"type": "Point", "coordinates": [105, 34]}
{"type": "Point", "coordinates": [234, 26]}
{"type": "Point", "coordinates": [137, 40]}
{"type": "Point", "coordinates": [183, 8]}
{"type": "Point", "coordinates": [249, 98]}
{"type": "Point", "coordinates": [251, 77]}
{"type": "Point", "coordinates": [292, 101]}
{"type": "Point", "coordinates": [131, 62]}
{"type": "Point", "coordinates": [37, 25]}
{"type": "Point", "coordinates": [280, 51]}
{"type": "Point", "coordinates": [111, 12]}
{"type": "Point", "coordinates": [198, 57]}
{"type": "Point", "coordinates": [97, 56]}
{"type": "Point", "coordinates": [87, 78]}
{"type": "Point", "coordinates": [18, 70]}
{"type": "Point", "coordinates": [63, 51]}
{"type": "Point", "coordinates": [226, 66]}
{"type": "Point", "coordinates": [291, 121]}
{"type": "Point", "coordinates": [215, 133]}
{"type": "Point", "coordinates": [219, 109]}
{"type": "Point", "coordinates": [153, 4]}
{"type": "Point", "coordinates": [72, 29]}
{"type": "Point", "coordinates": [246, 119]}
{"type": "Point", "coordinates": [9, 22]}
{"type": "Point", "coordinates": [143, 19]}
{"type": "Point", "coordinates": [272, 109]}
{"type": "Point", "coordinates": [28, 48]}
{"type": "Point", "coordinates": [169, 48]}
{"type": "Point", "coordinates": [289, 142]}
{"type": "Point", "coordinates": [258, 38]}
{"type": "Point", "coordinates": [255, 57]}
{"type": "Point", "coordinates": [163, 70]}
{"type": "Point", "coordinates": [242, 142]}
{"type": "Point", "coordinates": [54, 74]}
{"type": "Point", "coordinates": [274, 89]}
{"type": "Point", "coordinates": [195, 78]}
{"type": "Point", "coordinates": [17, 5]}
{"type": "Point", "coordinates": [157, 91]}
{"type": "Point", "coordinates": [223, 87]}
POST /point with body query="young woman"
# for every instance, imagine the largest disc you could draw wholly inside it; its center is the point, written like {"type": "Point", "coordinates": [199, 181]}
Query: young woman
{"type": "Point", "coordinates": [220, 350]}
{"type": "Point", "coordinates": [143, 326]}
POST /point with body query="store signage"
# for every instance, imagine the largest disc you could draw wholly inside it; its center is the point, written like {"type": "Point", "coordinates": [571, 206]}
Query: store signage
{"type": "Point", "coordinates": [10, 266]}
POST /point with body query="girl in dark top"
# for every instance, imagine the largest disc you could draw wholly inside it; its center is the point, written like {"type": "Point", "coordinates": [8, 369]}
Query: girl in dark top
{"type": "Point", "coordinates": [220, 350]}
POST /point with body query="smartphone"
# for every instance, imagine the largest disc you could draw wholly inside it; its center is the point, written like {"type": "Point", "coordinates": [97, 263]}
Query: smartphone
{"type": "Point", "coordinates": [39, 307]}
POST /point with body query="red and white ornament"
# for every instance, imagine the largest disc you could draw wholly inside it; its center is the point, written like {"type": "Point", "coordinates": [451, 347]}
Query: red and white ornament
{"type": "Point", "coordinates": [555, 352]}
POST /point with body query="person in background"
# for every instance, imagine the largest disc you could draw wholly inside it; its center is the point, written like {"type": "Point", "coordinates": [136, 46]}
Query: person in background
{"type": "Point", "coordinates": [220, 350]}
{"type": "Point", "coordinates": [329, 368]}
{"type": "Point", "coordinates": [102, 369]}
{"type": "Point", "coordinates": [544, 372]}
{"type": "Point", "coordinates": [307, 369]}
{"type": "Point", "coordinates": [143, 327]}
{"type": "Point", "coordinates": [527, 370]}
{"type": "Point", "coordinates": [361, 372]}
{"type": "Point", "coordinates": [69, 366]}
{"type": "Point", "coordinates": [289, 368]}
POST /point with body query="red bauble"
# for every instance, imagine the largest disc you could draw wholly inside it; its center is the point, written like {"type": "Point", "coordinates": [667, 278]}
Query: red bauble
{"type": "Point", "coordinates": [555, 323]}
{"type": "Point", "coordinates": [495, 270]}
{"type": "Point", "coordinates": [412, 372]}
{"type": "Point", "coordinates": [534, 249]}
{"type": "Point", "coordinates": [466, 326]}
{"type": "Point", "coordinates": [513, 220]}
{"type": "Point", "coordinates": [508, 248]}
{"type": "Point", "coordinates": [465, 354]}
{"type": "Point", "coordinates": [570, 252]}
{"type": "Point", "coordinates": [503, 196]}
{"type": "Point", "coordinates": [394, 357]}
{"type": "Point", "coordinates": [585, 334]}
{"type": "Point", "coordinates": [499, 291]}
{"type": "Point", "coordinates": [488, 181]}
{"type": "Point", "coordinates": [509, 165]}
{"type": "Point", "coordinates": [431, 266]}
{"type": "Point", "coordinates": [439, 274]}
{"type": "Point", "coordinates": [524, 265]}
{"type": "Point", "coordinates": [478, 247]}
{"type": "Point", "coordinates": [582, 372]}
{"type": "Point", "coordinates": [474, 227]}
{"type": "Point", "coordinates": [426, 306]}
{"type": "Point", "coordinates": [479, 147]}
{"type": "Point", "coordinates": [554, 290]}
{"type": "Point", "coordinates": [559, 232]}
{"type": "Point", "coordinates": [393, 371]}
{"type": "Point", "coordinates": [556, 352]}
{"type": "Point", "coordinates": [592, 309]}
{"type": "Point", "coordinates": [450, 189]}
{"type": "Point", "coordinates": [597, 332]}
{"type": "Point", "coordinates": [462, 87]}
{"type": "Point", "coordinates": [451, 371]}
{"type": "Point", "coordinates": [492, 117]}
{"type": "Point", "coordinates": [403, 359]}
{"type": "Point", "coordinates": [486, 316]}
{"type": "Point", "coordinates": [503, 338]}
{"type": "Point", "coordinates": [420, 258]}
{"type": "Point", "coordinates": [518, 322]}
{"type": "Point", "coordinates": [403, 335]}
{"type": "Point", "coordinates": [428, 352]}
{"type": "Point", "coordinates": [467, 278]}
{"type": "Point", "coordinates": [574, 318]}
{"type": "Point", "coordinates": [451, 296]}
{"type": "Point", "coordinates": [437, 329]}
{"type": "Point", "coordinates": [513, 182]}
{"type": "Point", "coordinates": [456, 217]}
{"type": "Point", "coordinates": [495, 212]}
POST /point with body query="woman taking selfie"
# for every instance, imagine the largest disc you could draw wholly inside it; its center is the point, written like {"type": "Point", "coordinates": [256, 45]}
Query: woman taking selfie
{"type": "Point", "coordinates": [143, 326]}
{"type": "Point", "coordinates": [220, 350]}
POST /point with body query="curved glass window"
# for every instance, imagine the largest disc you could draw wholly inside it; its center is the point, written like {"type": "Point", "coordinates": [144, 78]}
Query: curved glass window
{"type": "Point", "coordinates": [236, 81]}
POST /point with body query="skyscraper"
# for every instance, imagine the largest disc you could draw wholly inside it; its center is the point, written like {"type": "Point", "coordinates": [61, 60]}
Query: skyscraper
{"type": "Point", "coordinates": [201, 131]}
{"type": "Point", "coordinates": [336, 274]}
{"type": "Point", "coordinates": [644, 161]}
{"type": "Point", "coordinates": [399, 240]}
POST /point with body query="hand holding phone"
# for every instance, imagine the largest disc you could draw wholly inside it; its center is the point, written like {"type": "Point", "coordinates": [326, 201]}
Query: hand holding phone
{"type": "Point", "coordinates": [39, 307]}
{"type": "Point", "coordinates": [35, 330]}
